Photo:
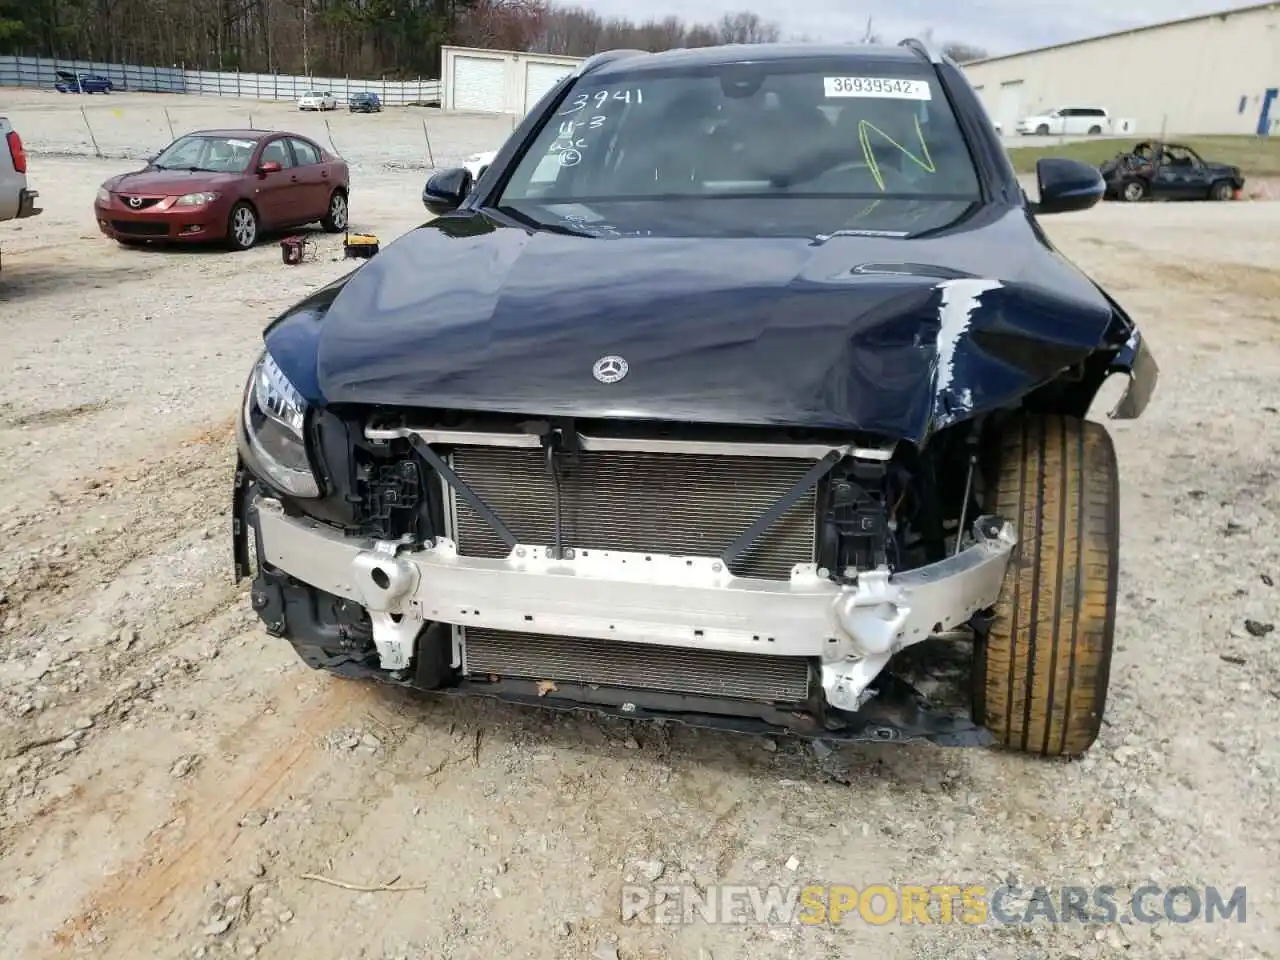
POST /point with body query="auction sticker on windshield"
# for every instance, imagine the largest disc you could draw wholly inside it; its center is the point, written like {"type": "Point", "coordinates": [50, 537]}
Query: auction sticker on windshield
{"type": "Point", "coordinates": [891, 88]}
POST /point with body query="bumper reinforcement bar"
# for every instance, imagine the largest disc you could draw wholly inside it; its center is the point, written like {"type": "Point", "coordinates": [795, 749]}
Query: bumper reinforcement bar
{"type": "Point", "coordinates": [851, 629]}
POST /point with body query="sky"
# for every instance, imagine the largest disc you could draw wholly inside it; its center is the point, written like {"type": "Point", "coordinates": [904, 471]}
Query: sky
{"type": "Point", "coordinates": [998, 26]}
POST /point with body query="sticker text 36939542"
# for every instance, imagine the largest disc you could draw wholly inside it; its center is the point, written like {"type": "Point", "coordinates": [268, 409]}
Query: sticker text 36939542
{"type": "Point", "coordinates": [889, 88]}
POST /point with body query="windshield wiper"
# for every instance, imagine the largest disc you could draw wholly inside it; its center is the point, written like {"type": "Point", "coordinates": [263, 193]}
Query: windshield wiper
{"type": "Point", "coordinates": [525, 220]}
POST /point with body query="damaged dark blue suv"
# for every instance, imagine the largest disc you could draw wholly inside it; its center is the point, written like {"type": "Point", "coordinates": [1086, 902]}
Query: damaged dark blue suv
{"type": "Point", "coordinates": [742, 389]}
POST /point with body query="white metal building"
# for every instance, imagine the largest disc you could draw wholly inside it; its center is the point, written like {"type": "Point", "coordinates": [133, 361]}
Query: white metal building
{"type": "Point", "coordinates": [1218, 73]}
{"type": "Point", "coordinates": [499, 81]}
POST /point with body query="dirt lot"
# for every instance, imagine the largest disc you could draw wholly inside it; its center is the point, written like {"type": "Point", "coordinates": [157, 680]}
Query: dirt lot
{"type": "Point", "coordinates": [169, 773]}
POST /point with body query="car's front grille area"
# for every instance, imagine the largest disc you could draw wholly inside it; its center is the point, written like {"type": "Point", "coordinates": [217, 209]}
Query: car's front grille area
{"type": "Point", "coordinates": [641, 666]}
{"type": "Point", "coordinates": [139, 203]}
{"type": "Point", "coordinates": [140, 228]}
{"type": "Point", "coordinates": [682, 504]}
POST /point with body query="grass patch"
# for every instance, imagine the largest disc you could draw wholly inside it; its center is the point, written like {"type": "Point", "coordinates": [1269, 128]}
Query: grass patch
{"type": "Point", "coordinates": [1256, 156]}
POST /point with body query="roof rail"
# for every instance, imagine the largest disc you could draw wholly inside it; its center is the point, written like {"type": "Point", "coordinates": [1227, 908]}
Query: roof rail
{"type": "Point", "coordinates": [922, 48]}
{"type": "Point", "coordinates": [607, 56]}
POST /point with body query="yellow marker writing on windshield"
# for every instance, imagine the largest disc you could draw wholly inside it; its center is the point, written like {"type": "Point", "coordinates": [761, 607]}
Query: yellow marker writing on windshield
{"type": "Point", "coordinates": [868, 154]}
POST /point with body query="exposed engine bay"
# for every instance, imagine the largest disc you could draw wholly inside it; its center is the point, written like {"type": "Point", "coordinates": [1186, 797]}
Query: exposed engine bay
{"type": "Point", "coordinates": [769, 510]}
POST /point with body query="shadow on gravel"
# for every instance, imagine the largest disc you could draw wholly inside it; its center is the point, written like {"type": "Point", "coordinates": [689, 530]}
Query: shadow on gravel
{"type": "Point", "coordinates": [215, 248]}
{"type": "Point", "coordinates": [12, 418]}
{"type": "Point", "coordinates": [22, 283]}
{"type": "Point", "coordinates": [502, 727]}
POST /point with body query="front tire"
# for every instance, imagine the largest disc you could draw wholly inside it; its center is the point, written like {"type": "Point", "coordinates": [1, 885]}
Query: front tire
{"type": "Point", "coordinates": [336, 219]}
{"type": "Point", "coordinates": [1042, 130]}
{"type": "Point", "coordinates": [1133, 190]}
{"type": "Point", "coordinates": [1220, 191]}
{"type": "Point", "coordinates": [242, 227]}
{"type": "Point", "coordinates": [1045, 664]}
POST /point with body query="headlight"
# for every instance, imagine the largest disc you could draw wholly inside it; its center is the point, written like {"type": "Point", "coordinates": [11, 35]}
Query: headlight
{"type": "Point", "coordinates": [104, 196]}
{"type": "Point", "coordinates": [195, 199]}
{"type": "Point", "coordinates": [274, 416]}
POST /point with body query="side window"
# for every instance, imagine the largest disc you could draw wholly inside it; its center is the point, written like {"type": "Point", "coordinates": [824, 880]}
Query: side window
{"type": "Point", "coordinates": [275, 150]}
{"type": "Point", "coordinates": [305, 152]}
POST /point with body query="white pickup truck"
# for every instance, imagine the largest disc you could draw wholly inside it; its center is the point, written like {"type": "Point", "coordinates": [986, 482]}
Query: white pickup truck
{"type": "Point", "coordinates": [16, 201]}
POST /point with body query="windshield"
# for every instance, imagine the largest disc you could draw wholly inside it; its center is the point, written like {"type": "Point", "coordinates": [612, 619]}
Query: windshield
{"type": "Point", "coordinates": [211, 154]}
{"type": "Point", "coordinates": [842, 128]}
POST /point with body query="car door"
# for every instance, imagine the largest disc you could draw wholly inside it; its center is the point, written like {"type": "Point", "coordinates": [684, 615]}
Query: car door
{"type": "Point", "coordinates": [1168, 178]}
{"type": "Point", "coordinates": [1190, 176]}
{"type": "Point", "coordinates": [313, 180]}
{"type": "Point", "coordinates": [1199, 178]}
{"type": "Point", "coordinates": [276, 193]}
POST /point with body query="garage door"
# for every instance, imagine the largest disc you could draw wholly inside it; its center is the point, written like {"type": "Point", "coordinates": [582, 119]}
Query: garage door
{"type": "Point", "coordinates": [479, 83]}
{"type": "Point", "coordinates": [1010, 105]}
{"type": "Point", "coordinates": [539, 78]}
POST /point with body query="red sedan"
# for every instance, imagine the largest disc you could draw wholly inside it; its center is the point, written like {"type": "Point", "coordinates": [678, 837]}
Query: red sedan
{"type": "Point", "coordinates": [226, 186]}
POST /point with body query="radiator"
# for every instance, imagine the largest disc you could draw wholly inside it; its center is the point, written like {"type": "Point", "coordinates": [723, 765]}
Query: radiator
{"type": "Point", "coordinates": [678, 670]}
{"type": "Point", "coordinates": [683, 504]}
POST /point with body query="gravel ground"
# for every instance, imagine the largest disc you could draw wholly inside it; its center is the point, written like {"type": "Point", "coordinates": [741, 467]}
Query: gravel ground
{"type": "Point", "coordinates": [169, 774]}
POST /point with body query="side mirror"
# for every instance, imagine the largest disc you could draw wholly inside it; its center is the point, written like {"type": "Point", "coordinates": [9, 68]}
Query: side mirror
{"type": "Point", "coordinates": [446, 190]}
{"type": "Point", "coordinates": [1067, 186]}
{"type": "Point", "coordinates": [271, 166]}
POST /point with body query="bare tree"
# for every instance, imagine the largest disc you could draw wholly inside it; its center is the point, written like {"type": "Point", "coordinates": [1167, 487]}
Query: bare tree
{"type": "Point", "coordinates": [745, 27]}
{"type": "Point", "coordinates": [575, 31]}
{"type": "Point", "coordinates": [369, 38]}
{"type": "Point", "coordinates": [964, 52]}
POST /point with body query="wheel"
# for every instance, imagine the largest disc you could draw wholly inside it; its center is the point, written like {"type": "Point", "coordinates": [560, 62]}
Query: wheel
{"type": "Point", "coordinates": [1041, 676]}
{"type": "Point", "coordinates": [1042, 130]}
{"type": "Point", "coordinates": [242, 227]}
{"type": "Point", "coordinates": [335, 221]}
{"type": "Point", "coordinates": [1094, 131]}
{"type": "Point", "coordinates": [1222, 190]}
{"type": "Point", "coordinates": [1133, 190]}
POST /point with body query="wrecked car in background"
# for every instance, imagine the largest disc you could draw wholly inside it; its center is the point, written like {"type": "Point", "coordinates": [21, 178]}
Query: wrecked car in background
{"type": "Point", "coordinates": [742, 388]}
{"type": "Point", "coordinates": [1159, 170]}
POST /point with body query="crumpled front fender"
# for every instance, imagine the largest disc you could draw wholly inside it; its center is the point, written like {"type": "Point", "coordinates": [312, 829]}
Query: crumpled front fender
{"type": "Point", "coordinates": [1136, 361]}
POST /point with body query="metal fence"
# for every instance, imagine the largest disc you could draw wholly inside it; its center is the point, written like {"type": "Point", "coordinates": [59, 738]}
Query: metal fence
{"type": "Point", "coordinates": [41, 72]}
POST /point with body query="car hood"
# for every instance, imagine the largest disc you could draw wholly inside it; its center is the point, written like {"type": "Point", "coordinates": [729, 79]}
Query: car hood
{"type": "Point", "coordinates": [855, 332]}
{"type": "Point", "coordinates": [168, 182]}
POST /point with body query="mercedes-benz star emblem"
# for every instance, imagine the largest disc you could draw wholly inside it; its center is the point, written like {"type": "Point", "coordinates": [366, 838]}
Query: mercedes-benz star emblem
{"type": "Point", "coordinates": [610, 369]}
{"type": "Point", "coordinates": [135, 201]}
